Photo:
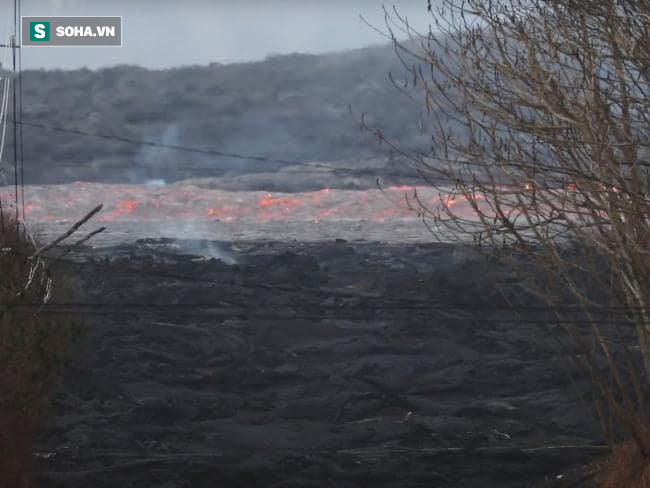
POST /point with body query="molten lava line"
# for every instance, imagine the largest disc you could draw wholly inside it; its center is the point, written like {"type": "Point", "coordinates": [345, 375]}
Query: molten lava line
{"type": "Point", "coordinates": [124, 202]}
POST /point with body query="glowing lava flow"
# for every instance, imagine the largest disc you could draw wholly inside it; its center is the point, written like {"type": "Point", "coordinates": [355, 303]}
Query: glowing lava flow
{"type": "Point", "coordinates": [180, 201]}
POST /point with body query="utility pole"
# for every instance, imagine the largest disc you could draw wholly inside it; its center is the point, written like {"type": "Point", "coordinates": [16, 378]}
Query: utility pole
{"type": "Point", "coordinates": [13, 50]}
{"type": "Point", "coordinates": [9, 76]}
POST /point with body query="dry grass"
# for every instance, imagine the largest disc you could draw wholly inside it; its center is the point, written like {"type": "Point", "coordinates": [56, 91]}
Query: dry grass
{"type": "Point", "coordinates": [33, 347]}
{"type": "Point", "coordinates": [626, 467]}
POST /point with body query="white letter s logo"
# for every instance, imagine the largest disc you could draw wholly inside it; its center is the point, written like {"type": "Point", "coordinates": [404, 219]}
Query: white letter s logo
{"type": "Point", "coordinates": [39, 31]}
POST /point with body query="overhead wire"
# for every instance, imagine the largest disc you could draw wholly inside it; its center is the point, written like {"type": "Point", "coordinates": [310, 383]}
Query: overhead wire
{"type": "Point", "coordinates": [14, 111]}
{"type": "Point", "coordinates": [298, 292]}
{"type": "Point", "coordinates": [287, 312]}
{"type": "Point", "coordinates": [176, 147]}
{"type": "Point", "coordinates": [5, 98]}
{"type": "Point", "coordinates": [20, 110]}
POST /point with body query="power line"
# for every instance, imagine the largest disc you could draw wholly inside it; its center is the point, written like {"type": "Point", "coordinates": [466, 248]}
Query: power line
{"type": "Point", "coordinates": [399, 304]}
{"type": "Point", "coordinates": [284, 313]}
{"type": "Point", "coordinates": [182, 148]}
{"type": "Point", "coordinates": [14, 113]}
{"type": "Point", "coordinates": [17, 113]}
{"type": "Point", "coordinates": [176, 147]}
{"type": "Point", "coordinates": [229, 308]}
{"type": "Point", "coordinates": [404, 303]}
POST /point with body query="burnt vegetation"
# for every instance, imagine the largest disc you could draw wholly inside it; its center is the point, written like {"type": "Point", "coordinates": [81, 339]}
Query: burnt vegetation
{"type": "Point", "coordinates": [33, 348]}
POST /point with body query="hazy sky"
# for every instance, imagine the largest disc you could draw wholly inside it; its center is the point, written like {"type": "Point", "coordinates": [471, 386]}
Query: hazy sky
{"type": "Point", "coordinates": [164, 33]}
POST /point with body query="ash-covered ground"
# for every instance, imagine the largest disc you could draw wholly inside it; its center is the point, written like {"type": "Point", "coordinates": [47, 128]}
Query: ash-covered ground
{"type": "Point", "coordinates": [330, 363]}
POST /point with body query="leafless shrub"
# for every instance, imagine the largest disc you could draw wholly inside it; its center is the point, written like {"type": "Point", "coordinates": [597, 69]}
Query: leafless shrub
{"type": "Point", "coordinates": [33, 345]}
{"type": "Point", "coordinates": [539, 121]}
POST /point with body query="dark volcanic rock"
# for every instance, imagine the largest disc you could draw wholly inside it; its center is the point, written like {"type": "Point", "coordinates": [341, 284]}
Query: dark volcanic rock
{"type": "Point", "coordinates": [313, 365]}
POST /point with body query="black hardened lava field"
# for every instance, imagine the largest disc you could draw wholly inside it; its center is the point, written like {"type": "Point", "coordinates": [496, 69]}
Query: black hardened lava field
{"type": "Point", "coordinates": [324, 364]}
{"type": "Point", "coordinates": [325, 244]}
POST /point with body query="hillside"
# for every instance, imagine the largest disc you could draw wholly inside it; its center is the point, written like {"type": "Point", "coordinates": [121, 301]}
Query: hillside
{"type": "Point", "coordinates": [291, 107]}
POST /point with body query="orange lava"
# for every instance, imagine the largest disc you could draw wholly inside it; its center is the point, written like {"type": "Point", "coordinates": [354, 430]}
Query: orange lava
{"type": "Point", "coordinates": [269, 200]}
{"type": "Point", "coordinates": [123, 202]}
